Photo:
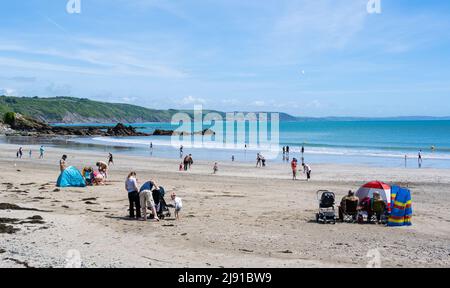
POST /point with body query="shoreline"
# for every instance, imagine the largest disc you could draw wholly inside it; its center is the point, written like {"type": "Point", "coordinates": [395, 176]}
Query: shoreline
{"type": "Point", "coordinates": [241, 217]}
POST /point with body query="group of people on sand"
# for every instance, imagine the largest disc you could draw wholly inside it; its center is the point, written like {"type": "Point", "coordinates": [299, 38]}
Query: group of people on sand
{"type": "Point", "coordinates": [91, 176]}
{"type": "Point", "coordinates": [19, 153]}
{"type": "Point", "coordinates": [188, 161]}
{"type": "Point", "coordinates": [306, 169]}
{"type": "Point", "coordinates": [141, 199]}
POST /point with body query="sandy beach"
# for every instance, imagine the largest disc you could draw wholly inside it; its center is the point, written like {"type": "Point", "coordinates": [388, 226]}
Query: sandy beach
{"type": "Point", "coordinates": [241, 217]}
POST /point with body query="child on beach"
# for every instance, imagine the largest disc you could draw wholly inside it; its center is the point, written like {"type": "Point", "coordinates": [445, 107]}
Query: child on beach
{"type": "Point", "coordinates": [215, 168]}
{"type": "Point", "coordinates": [177, 204]}
{"type": "Point", "coordinates": [181, 166]}
{"type": "Point", "coordinates": [294, 169]}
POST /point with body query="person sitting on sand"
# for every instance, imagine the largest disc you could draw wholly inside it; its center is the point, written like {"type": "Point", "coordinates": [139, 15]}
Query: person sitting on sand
{"type": "Point", "coordinates": [102, 168]}
{"type": "Point", "coordinates": [88, 175]}
{"type": "Point", "coordinates": [342, 208]}
{"type": "Point", "coordinates": [98, 178]}
{"type": "Point", "coordinates": [177, 204]}
{"type": "Point", "coordinates": [133, 195]}
{"type": "Point", "coordinates": [146, 199]}
{"type": "Point", "coordinates": [62, 163]}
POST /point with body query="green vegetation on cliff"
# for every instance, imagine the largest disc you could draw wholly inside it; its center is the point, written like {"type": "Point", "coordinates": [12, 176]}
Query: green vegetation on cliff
{"type": "Point", "coordinates": [77, 110]}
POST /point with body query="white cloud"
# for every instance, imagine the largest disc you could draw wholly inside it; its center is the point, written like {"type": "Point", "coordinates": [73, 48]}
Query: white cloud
{"type": "Point", "coordinates": [190, 100]}
{"type": "Point", "coordinates": [8, 92]}
{"type": "Point", "coordinates": [259, 103]}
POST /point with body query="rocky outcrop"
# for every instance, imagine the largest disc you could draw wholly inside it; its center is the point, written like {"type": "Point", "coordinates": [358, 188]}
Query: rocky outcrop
{"type": "Point", "coordinates": [122, 130]}
{"type": "Point", "coordinates": [26, 126]}
{"type": "Point", "coordinates": [5, 129]}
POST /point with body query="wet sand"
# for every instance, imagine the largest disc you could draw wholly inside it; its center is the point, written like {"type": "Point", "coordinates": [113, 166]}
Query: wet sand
{"type": "Point", "coordinates": [241, 217]}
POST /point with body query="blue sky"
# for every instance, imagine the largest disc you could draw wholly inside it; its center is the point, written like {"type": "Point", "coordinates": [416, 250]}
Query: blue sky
{"type": "Point", "coordinates": [307, 58]}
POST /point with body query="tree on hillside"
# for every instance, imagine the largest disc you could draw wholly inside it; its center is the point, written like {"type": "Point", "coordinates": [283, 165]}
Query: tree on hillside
{"type": "Point", "coordinates": [9, 118]}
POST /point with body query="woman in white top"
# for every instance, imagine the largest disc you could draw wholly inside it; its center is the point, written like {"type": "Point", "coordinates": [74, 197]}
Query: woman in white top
{"type": "Point", "coordinates": [133, 195]}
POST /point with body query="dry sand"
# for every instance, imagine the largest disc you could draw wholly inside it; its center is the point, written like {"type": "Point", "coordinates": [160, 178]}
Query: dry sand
{"type": "Point", "coordinates": [241, 217]}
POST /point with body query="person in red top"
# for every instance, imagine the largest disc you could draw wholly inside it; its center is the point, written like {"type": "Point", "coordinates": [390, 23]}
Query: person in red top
{"type": "Point", "coordinates": [294, 169]}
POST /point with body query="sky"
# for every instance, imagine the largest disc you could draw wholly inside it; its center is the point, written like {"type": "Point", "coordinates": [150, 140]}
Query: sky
{"type": "Point", "coordinates": [307, 58]}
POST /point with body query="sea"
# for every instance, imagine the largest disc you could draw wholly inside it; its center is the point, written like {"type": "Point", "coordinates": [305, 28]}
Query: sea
{"type": "Point", "coordinates": [374, 143]}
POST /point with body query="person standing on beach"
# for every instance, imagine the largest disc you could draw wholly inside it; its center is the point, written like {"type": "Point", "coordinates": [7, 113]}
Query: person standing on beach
{"type": "Point", "coordinates": [146, 199]}
{"type": "Point", "coordinates": [190, 161]}
{"type": "Point", "coordinates": [307, 170]}
{"type": "Point", "coordinates": [287, 151]}
{"type": "Point", "coordinates": [62, 163]}
{"type": "Point", "coordinates": [30, 153]}
{"type": "Point", "coordinates": [419, 159]}
{"type": "Point", "coordinates": [215, 168]}
{"type": "Point", "coordinates": [41, 152]}
{"type": "Point", "coordinates": [110, 159]}
{"type": "Point", "coordinates": [294, 169]}
{"type": "Point", "coordinates": [258, 160]}
{"type": "Point", "coordinates": [20, 153]}
{"type": "Point", "coordinates": [303, 151]}
{"type": "Point", "coordinates": [133, 195]}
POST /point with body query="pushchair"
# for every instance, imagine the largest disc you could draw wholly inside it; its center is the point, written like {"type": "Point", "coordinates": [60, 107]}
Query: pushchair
{"type": "Point", "coordinates": [160, 203]}
{"type": "Point", "coordinates": [326, 212]}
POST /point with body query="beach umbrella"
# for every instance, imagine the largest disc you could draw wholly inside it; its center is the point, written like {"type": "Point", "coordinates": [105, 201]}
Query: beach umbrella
{"type": "Point", "coordinates": [368, 189]}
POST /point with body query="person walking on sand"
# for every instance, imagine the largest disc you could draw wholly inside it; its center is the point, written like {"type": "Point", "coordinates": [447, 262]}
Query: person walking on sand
{"type": "Point", "coordinates": [20, 153]}
{"type": "Point", "coordinates": [303, 150]}
{"type": "Point", "coordinates": [294, 169]}
{"type": "Point", "coordinates": [41, 152]}
{"type": "Point", "coordinates": [133, 195]}
{"type": "Point", "coordinates": [110, 159]}
{"type": "Point", "coordinates": [215, 168]}
{"type": "Point", "coordinates": [30, 153]}
{"type": "Point", "coordinates": [258, 160]}
{"type": "Point", "coordinates": [62, 163]}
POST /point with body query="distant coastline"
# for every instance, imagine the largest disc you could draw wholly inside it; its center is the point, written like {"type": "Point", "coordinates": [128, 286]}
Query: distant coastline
{"type": "Point", "coordinates": [71, 110]}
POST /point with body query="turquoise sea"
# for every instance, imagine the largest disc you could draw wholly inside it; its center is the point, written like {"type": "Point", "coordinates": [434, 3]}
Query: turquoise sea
{"type": "Point", "coordinates": [379, 143]}
{"type": "Point", "coordinates": [382, 143]}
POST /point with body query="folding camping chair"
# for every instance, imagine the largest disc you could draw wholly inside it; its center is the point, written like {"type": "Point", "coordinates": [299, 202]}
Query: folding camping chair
{"type": "Point", "coordinates": [351, 211]}
{"type": "Point", "coordinates": [378, 211]}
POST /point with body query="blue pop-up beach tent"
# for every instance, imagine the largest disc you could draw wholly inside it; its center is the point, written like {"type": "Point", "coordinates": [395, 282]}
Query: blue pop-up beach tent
{"type": "Point", "coordinates": [71, 177]}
